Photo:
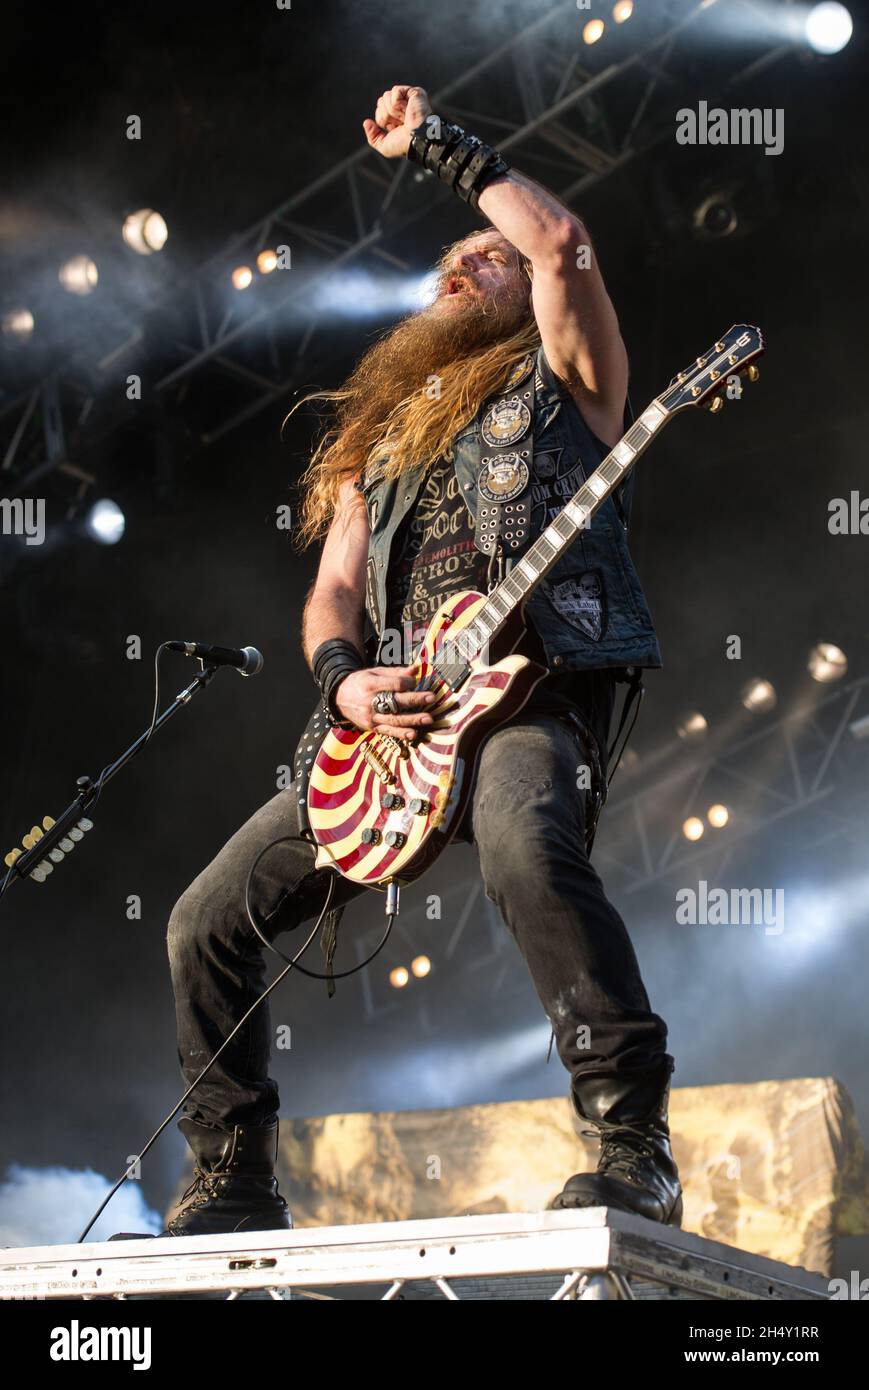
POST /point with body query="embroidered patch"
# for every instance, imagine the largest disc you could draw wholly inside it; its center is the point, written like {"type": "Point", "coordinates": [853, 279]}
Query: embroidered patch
{"type": "Point", "coordinates": [581, 601]}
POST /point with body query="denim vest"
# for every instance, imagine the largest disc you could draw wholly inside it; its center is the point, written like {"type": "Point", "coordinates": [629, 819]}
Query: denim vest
{"type": "Point", "coordinates": [598, 558]}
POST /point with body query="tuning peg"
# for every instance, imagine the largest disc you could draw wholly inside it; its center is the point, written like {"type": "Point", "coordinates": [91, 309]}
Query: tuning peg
{"type": "Point", "coordinates": [13, 854]}
{"type": "Point", "coordinates": [716, 404]}
{"type": "Point", "coordinates": [752, 372]}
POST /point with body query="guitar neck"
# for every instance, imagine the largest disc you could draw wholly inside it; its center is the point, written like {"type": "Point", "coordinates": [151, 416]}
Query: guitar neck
{"type": "Point", "coordinates": [702, 383]}
{"type": "Point", "coordinates": [562, 532]}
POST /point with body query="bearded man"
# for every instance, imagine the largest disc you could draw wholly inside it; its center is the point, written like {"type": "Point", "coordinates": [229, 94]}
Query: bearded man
{"type": "Point", "coordinates": [510, 385]}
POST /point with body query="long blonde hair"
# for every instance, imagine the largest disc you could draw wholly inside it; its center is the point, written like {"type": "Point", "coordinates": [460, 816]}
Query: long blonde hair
{"type": "Point", "coordinates": [417, 430]}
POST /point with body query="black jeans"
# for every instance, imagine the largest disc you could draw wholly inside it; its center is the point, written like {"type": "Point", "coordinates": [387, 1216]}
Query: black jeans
{"type": "Point", "coordinates": [527, 821]}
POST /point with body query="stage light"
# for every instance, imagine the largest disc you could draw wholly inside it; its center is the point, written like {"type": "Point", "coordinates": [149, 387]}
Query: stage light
{"type": "Point", "coordinates": [425, 290]}
{"type": "Point", "coordinates": [692, 726]}
{"type": "Point", "coordinates": [398, 977]}
{"type": "Point", "coordinates": [828, 28]}
{"type": "Point", "coordinates": [421, 966]}
{"type": "Point", "coordinates": [716, 216]}
{"type": "Point", "coordinates": [827, 663]}
{"type": "Point", "coordinates": [360, 294]}
{"type": "Point", "coordinates": [105, 521]}
{"type": "Point", "coordinates": [78, 275]}
{"type": "Point", "coordinates": [145, 231]}
{"type": "Point", "coordinates": [18, 322]}
{"type": "Point", "coordinates": [622, 11]}
{"type": "Point", "coordinates": [266, 262]}
{"type": "Point", "coordinates": [242, 277]}
{"type": "Point", "coordinates": [759, 695]}
{"type": "Point", "coordinates": [718, 816]}
{"type": "Point", "coordinates": [593, 31]}
{"type": "Point", "coordinates": [693, 828]}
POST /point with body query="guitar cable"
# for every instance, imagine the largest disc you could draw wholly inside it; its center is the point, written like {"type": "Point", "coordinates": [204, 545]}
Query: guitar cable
{"type": "Point", "coordinates": [291, 963]}
{"type": "Point", "coordinates": [636, 694]}
{"type": "Point", "coordinates": [311, 974]}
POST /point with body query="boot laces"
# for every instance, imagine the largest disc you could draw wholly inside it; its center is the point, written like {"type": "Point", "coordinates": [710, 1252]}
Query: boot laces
{"type": "Point", "coordinates": [204, 1187]}
{"type": "Point", "coordinates": [622, 1146]}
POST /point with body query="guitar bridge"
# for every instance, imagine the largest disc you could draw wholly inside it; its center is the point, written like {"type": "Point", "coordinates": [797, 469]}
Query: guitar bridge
{"type": "Point", "coordinates": [374, 760]}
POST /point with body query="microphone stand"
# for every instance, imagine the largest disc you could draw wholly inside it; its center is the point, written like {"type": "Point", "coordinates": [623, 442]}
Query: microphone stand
{"type": "Point", "coordinates": [90, 790]}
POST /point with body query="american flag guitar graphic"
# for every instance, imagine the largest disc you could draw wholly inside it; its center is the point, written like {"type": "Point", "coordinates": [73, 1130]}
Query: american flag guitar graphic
{"type": "Point", "coordinates": [381, 809]}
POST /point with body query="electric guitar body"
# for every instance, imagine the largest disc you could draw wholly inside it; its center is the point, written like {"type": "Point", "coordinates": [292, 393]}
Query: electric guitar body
{"type": "Point", "coordinates": [384, 808]}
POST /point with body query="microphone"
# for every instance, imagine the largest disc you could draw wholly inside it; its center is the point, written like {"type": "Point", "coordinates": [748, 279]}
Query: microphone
{"type": "Point", "coordinates": [247, 660]}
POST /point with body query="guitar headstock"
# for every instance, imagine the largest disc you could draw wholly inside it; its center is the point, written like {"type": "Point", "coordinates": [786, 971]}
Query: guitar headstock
{"type": "Point", "coordinates": [707, 380]}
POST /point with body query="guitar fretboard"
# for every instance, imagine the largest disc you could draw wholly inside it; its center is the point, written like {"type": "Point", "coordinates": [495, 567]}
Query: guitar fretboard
{"type": "Point", "coordinates": [706, 378]}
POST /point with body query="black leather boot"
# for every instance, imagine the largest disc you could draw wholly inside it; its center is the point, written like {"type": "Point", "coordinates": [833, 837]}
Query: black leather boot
{"type": "Point", "coordinates": [234, 1187]}
{"type": "Point", "coordinates": [636, 1171]}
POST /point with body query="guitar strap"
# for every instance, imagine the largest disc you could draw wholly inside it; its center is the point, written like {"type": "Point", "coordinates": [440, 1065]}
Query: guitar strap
{"type": "Point", "coordinates": [503, 519]}
{"type": "Point", "coordinates": [306, 751]}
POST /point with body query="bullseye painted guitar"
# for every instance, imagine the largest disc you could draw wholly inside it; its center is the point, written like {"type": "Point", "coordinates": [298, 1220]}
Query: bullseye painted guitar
{"type": "Point", "coordinates": [381, 809]}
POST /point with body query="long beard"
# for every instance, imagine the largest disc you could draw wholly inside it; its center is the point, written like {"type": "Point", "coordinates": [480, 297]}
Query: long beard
{"type": "Point", "coordinates": [413, 355]}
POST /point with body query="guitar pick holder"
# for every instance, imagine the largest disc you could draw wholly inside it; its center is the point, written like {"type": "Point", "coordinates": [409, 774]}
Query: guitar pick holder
{"type": "Point", "coordinates": [58, 837]}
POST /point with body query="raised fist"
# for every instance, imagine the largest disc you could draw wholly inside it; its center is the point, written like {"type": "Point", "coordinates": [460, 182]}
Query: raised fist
{"type": "Point", "coordinates": [397, 114]}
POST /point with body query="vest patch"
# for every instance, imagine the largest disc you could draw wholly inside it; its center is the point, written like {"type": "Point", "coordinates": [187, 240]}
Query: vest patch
{"type": "Point", "coordinates": [581, 601]}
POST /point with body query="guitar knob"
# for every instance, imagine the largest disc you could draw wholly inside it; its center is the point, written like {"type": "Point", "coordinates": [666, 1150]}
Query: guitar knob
{"type": "Point", "coordinates": [419, 806]}
{"type": "Point", "coordinates": [395, 839]}
{"type": "Point", "coordinates": [370, 837]}
{"type": "Point", "coordinates": [391, 801]}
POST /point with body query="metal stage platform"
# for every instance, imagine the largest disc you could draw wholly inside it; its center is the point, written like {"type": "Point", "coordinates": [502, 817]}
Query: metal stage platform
{"type": "Point", "coordinates": [594, 1254]}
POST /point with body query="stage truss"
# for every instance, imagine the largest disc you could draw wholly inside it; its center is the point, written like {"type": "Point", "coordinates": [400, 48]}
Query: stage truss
{"type": "Point", "coordinates": [210, 354]}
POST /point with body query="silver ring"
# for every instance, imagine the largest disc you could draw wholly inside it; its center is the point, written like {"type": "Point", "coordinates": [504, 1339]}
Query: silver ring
{"type": "Point", "coordinates": [384, 702]}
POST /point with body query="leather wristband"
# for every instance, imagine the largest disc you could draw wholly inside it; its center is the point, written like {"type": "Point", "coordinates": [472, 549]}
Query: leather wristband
{"type": "Point", "coordinates": [331, 662]}
{"type": "Point", "coordinates": [460, 160]}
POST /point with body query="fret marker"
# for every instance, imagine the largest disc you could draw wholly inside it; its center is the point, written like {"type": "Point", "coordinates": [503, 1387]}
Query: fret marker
{"type": "Point", "coordinates": [623, 453]}
{"type": "Point", "coordinates": [653, 415]}
{"type": "Point", "coordinates": [596, 485]}
{"type": "Point", "coordinates": [577, 514]}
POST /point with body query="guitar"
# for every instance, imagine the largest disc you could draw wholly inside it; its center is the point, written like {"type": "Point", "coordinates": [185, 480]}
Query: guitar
{"type": "Point", "coordinates": [381, 809]}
